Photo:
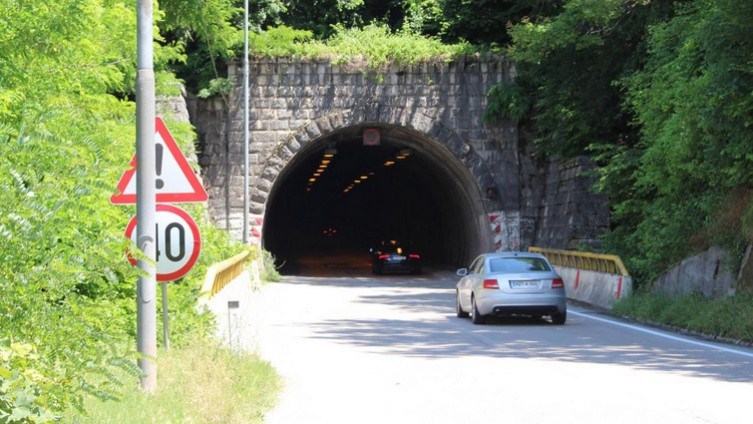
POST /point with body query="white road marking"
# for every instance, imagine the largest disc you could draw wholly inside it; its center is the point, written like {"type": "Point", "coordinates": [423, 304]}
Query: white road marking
{"type": "Point", "coordinates": [664, 335]}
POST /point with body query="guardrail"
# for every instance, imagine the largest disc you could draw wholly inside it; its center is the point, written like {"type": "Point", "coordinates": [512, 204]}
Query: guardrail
{"type": "Point", "coordinates": [596, 279]}
{"type": "Point", "coordinates": [584, 260]}
{"type": "Point", "coordinates": [222, 273]}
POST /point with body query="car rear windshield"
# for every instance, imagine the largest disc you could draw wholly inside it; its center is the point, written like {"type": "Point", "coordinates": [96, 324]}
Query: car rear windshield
{"type": "Point", "coordinates": [516, 265]}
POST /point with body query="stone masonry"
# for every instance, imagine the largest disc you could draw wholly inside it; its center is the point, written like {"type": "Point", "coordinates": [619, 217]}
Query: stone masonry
{"type": "Point", "coordinates": [297, 102]}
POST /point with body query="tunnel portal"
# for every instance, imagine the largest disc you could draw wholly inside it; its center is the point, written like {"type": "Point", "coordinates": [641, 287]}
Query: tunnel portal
{"type": "Point", "coordinates": [464, 184]}
{"type": "Point", "coordinates": [366, 183]}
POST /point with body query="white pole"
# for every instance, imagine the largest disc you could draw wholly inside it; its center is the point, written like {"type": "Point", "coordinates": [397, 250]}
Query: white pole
{"type": "Point", "coordinates": [245, 127]}
{"type": "Point", "coordinates": [146, 201]}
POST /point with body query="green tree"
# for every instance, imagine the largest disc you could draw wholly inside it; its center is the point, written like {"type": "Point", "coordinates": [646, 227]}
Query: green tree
{"type": "Point", "coordinates": [693, 107]}
{"type": "Point", "coordinates": [66, 133]}
{"type": "Point", "coordinates": [205, 34]}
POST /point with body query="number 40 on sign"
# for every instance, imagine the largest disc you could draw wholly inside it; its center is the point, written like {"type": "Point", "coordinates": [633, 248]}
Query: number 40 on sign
{"type": "Point", "coordinates": [178, 242]}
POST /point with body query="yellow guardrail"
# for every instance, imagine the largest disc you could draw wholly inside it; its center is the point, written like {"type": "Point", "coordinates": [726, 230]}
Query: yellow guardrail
{"type": "Point", "coordinates": [222, 273]}
{"type": "Point", "coordinates": [584, 260]}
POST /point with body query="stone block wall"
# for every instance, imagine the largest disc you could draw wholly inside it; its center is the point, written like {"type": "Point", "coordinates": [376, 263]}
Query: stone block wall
{"type": "Point", "coordinates": [295, 102]}
{"type": "Point", "coordinates": [570, 215]}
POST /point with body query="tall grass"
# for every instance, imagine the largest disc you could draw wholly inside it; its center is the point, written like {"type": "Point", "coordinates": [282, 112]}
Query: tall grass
{"type": "Point", "coordinates": [371, 47]}
{"type": "Point", "coordinates": [731, 317]}
{"type": "Point", "coordinates": [202, 382]}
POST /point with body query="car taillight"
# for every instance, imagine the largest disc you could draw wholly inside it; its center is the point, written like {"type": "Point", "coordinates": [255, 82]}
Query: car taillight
{"type": "Point", "coordinates": [557, 283]}
{"type": "Point", "coordinates": [414, 256]}
{"type": "Point", "coordinates": [384, 256]}
{"type": "Point", "coordinates": [491, 284]}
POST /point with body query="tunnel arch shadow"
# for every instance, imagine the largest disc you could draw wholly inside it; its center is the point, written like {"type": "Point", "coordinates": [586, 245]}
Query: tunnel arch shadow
{"type": "Point", "coordinates": [422, 185]}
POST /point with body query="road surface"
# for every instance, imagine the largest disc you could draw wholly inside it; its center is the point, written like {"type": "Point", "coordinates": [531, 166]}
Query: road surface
{"type": "Point", "coordinates": [357, 348]}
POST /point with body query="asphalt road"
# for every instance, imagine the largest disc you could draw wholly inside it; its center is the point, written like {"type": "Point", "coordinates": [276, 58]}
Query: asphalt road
{"type": "Point", "coordinates": [356, 348]}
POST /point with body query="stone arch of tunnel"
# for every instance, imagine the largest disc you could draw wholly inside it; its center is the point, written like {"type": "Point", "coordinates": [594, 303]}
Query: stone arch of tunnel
{"type": "Point", "coordinates": [338, 193]}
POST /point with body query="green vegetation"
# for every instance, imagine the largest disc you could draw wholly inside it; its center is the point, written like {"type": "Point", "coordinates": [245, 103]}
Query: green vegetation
{"type": "Point", "coordinates": [658, 94]}
{"type": "Point", "coordinates": [198, 383]}
{"type": "Point", "coordinates": [730, 318]}
{"type": "Point", "coordinates": [67, 313]}
{"type": "Point", "coordinates": [371, 47]}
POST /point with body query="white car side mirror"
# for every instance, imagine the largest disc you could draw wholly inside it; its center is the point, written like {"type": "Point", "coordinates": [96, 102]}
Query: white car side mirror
{"type": "Point", "coordinates": [462, 272]}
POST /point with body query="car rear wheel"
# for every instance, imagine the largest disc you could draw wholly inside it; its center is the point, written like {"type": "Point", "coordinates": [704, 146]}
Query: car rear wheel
{"type": "Point", "coordinates": [476, 317]}
{"type": "Point", "coordinates": [559, 318]}
{"type": "Point", "coordinates": [458, 308]}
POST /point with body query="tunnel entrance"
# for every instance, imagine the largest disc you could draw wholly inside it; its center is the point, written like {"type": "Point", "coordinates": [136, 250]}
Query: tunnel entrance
{"type": "Point", "coordinates": [356, 186]}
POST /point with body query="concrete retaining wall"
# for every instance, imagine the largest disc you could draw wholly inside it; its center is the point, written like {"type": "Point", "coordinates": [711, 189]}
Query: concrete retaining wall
{"type": "Point", "coordinates": [598, 289]}
{"type": "Point", "coordinates": [706, 273]}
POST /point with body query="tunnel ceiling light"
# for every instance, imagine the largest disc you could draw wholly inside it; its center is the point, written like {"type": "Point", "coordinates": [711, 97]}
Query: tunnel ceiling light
{"type": "Point", "coordinates": [312, 180]}
{"type": "Point", "coordinates": [317, 174]}
{"type": "Point", "coordinates": [389, 163]}
{"type": "Point", "coordinates": [326, 161]}
{"type": "Point", "coordinates": [371, 174]}
{"type": "Point", "coordinates": [357, 181]}
{"type": "Point", "coordinates": [364, 177]}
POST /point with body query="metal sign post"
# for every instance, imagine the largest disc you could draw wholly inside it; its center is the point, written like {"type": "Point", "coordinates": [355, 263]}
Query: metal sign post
{"type": "Point", "coordinates": [146, 202]}
{"type": "Point", "coordinates": [165, 317]}
{"type": "Point", "coordinates": [232, 322]}
{"type": "Point", "coordinates": [245, 126]}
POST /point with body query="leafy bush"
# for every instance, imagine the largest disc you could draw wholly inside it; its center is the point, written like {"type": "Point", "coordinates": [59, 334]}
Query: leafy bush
{"type": "Point", "coordinates": [378, 46]}
{"type": "Point", "coordinates": [508, 100]}
{"type": "Point", "coordinates": [371, 47]}
{"type": "Point", "coordinates": [67, 310]}
{"type": "Point", "coordinates": [269, 271]}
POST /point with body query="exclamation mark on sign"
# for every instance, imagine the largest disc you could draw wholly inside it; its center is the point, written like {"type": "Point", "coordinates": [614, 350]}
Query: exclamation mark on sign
{"type": "Point", "coordinates": [158, 158]}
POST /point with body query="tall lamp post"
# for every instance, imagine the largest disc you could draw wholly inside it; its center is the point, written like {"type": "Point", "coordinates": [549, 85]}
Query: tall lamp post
{"type": "Point", "coordinates": [146, 201]}
{"type": "Point", "coordinates": [245, 126]}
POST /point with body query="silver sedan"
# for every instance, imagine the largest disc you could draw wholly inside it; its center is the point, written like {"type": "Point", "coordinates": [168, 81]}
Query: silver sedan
{"type": "Point", "coordinates": [510, 283]}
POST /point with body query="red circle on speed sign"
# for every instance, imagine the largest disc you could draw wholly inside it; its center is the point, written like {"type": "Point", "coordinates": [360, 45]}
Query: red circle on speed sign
{"type": "Point", "coordinates": [178, 242]}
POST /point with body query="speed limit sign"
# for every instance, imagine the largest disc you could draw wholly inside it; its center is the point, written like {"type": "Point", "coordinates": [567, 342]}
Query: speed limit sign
{"type": "Point", "coordinates": [178, 242]}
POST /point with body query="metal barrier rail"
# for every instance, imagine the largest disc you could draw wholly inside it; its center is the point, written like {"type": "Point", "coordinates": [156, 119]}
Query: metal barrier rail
{"type": "Point", "coordinates": [222, 273]}
{"type": "Point", "coordinates": [584, 260]}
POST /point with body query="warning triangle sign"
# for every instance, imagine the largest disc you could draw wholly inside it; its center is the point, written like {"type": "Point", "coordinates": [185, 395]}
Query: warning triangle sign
{"type": "Point", "coordinates": [175, 181]}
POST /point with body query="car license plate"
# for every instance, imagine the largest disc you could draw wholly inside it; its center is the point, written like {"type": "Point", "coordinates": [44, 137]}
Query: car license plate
{"type": "Point", "coordinates": [397, 258]}
{"type": "Point", "coordinates": [525, 284]}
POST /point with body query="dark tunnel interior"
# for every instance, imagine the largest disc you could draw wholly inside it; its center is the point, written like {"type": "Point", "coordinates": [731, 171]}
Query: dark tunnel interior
{"type": "Point", "coordinates": [357, 186]}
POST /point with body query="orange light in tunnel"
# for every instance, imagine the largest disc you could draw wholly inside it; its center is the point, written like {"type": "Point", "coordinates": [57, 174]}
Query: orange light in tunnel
{"type": "Point", "coordinates": [326, 161]}
{"type": "Point", "coordinates": [312, 180]}
{"type": "Point", "coordinates": [364, 177]}
{"type": "Point", "coordinates": [389, 163]}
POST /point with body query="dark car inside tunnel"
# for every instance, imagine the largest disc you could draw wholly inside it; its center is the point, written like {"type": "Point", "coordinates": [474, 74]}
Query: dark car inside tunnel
{"type": "Point", "coordinates": [344, 193]}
